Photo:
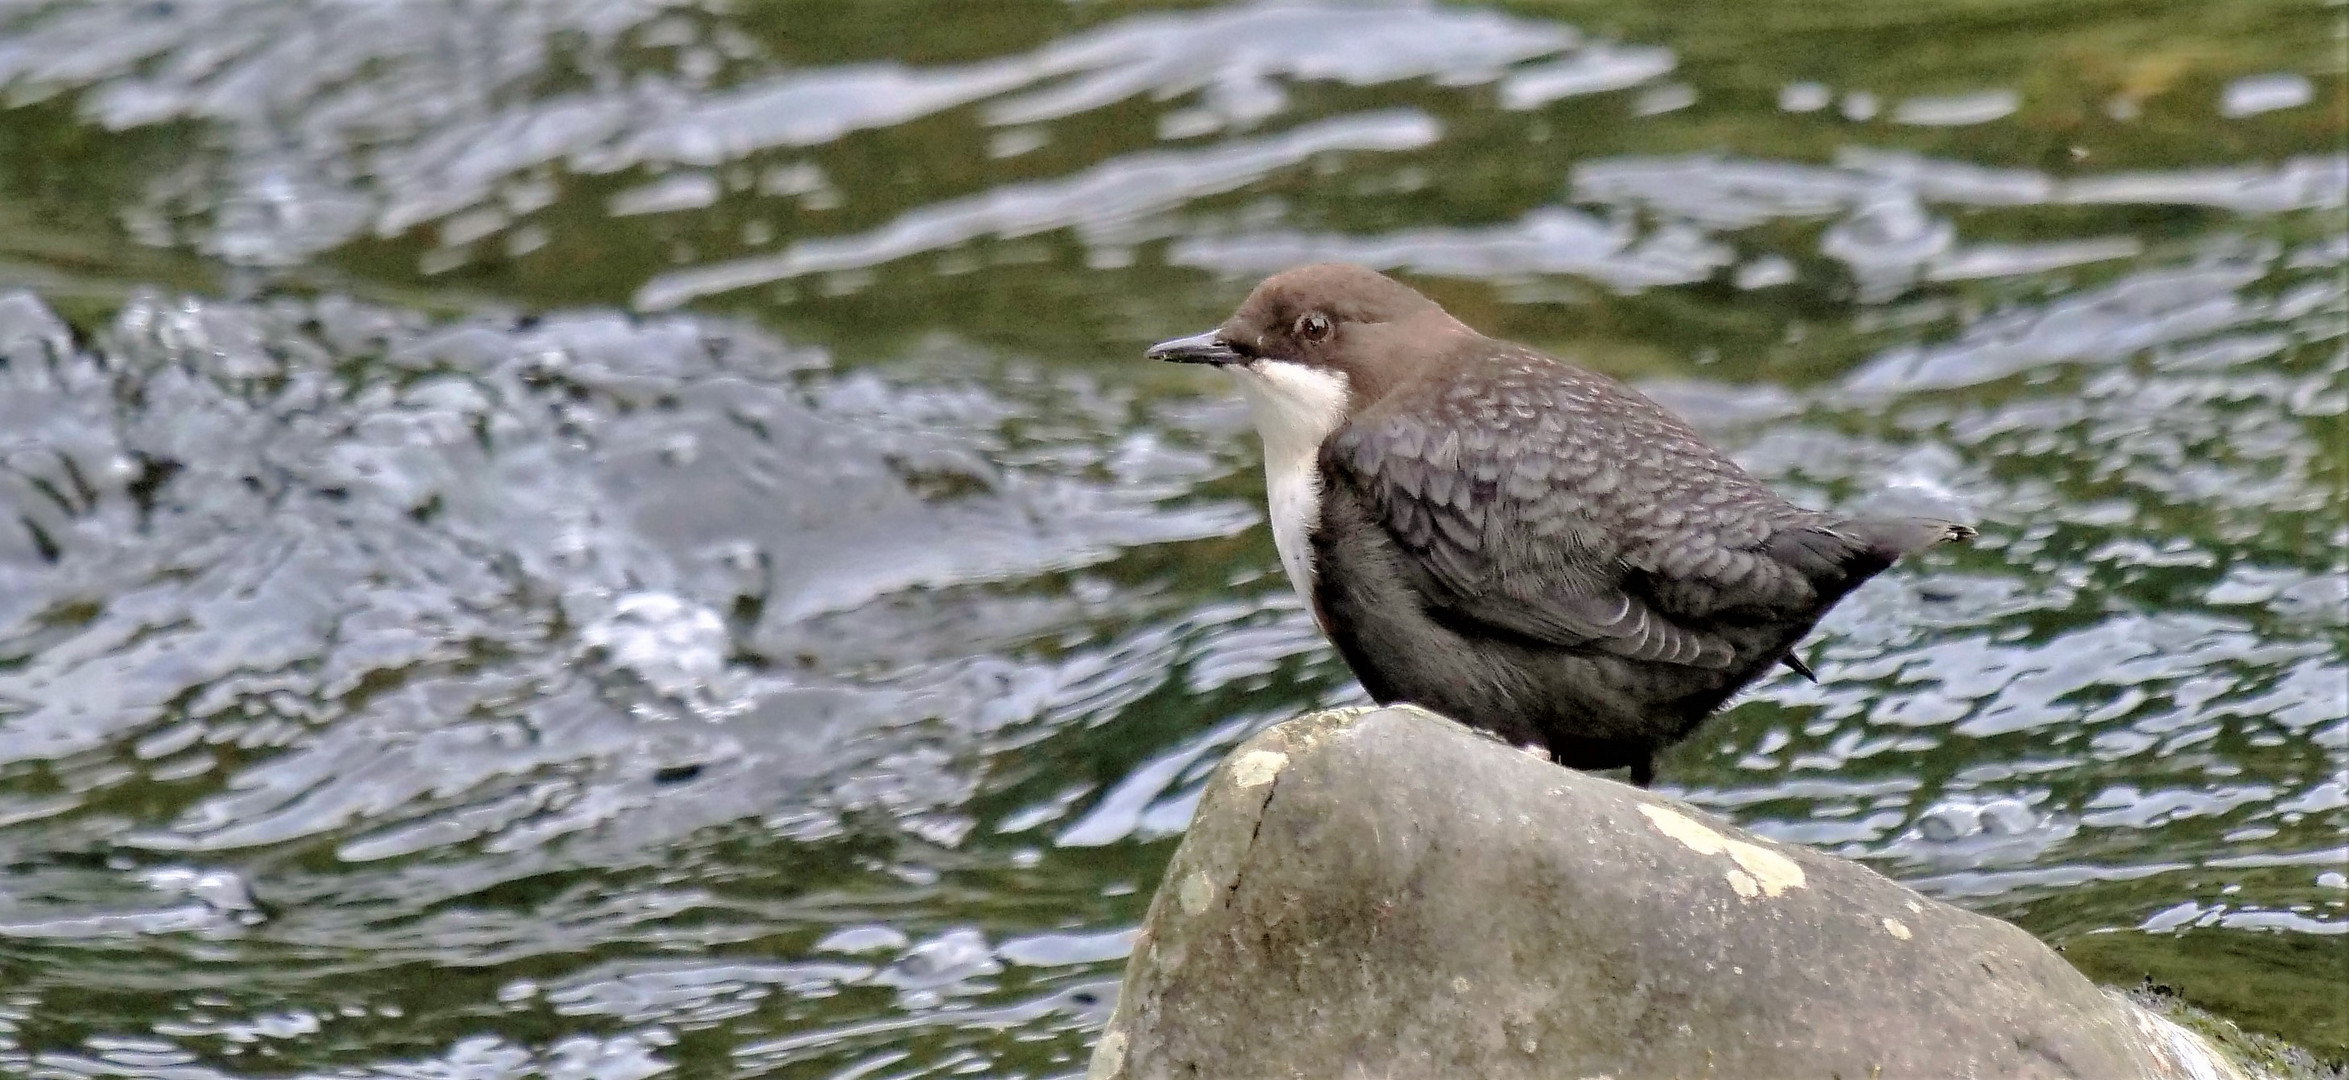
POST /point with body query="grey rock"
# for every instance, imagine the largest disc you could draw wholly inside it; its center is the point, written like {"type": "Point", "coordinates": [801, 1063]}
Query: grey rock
{"type": "Point", "coordinates": [1383, 893]}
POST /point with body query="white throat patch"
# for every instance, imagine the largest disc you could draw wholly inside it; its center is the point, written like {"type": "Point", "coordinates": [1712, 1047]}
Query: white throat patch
{"type": "Point", "coordinates": [1295, 407]}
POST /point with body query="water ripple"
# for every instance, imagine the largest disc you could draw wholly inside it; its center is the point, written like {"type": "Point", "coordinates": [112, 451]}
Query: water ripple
{"type": "Point", "coordinates": [1109, 204]}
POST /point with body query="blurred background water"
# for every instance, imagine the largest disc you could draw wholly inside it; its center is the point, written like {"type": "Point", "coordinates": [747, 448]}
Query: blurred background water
{"type": "Point", "coordinates": [614, 538]}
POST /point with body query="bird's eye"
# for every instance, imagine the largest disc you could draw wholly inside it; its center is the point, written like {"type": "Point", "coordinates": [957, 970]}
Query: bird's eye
{"type": "Point", "coordinates": [1313, 327]}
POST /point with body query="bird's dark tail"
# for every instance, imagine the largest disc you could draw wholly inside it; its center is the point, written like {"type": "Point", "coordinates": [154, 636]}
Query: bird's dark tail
{"type": "Point", "coordinates": [1891, 539]}
{"type": "Point", "coordinates": [1837, 555]}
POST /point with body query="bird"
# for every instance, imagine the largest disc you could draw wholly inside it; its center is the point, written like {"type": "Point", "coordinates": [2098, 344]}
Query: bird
{"type": "Point", "coordinates": [1526, 547]}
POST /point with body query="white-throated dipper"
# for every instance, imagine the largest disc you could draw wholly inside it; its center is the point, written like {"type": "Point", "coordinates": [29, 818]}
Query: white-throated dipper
{"type": "Point", "coordinates": [1514, 542]}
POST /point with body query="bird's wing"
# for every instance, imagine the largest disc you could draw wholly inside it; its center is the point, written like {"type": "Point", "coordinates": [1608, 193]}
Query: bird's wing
{"type": "Point", "coordinates": [1548, 503]}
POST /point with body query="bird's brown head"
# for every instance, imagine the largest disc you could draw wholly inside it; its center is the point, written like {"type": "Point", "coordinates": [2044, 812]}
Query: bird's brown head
{"type": "Point", "coordinates": [1321, 330]}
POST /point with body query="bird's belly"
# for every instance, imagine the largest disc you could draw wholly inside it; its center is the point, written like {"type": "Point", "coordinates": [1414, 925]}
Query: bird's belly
{"type": "Point", "coordinates": [1292, 488]}
{"type": "Point", "coordinates": [1593, 709]}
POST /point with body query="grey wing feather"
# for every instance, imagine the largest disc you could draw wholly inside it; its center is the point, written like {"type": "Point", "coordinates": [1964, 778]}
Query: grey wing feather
{"type": "Point", "coordinates": [1565, 538]}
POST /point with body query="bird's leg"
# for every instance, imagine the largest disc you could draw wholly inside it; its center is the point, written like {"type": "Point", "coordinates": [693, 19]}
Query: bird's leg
{"type": "Point", "coordinates": [1643, 771]}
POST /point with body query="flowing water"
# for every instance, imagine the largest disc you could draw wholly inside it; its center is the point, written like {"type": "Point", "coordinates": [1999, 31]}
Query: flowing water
{"type": "Point", "coordinates": [614, 538]}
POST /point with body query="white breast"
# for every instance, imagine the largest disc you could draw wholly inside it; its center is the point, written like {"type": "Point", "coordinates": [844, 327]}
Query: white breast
{"type": "Point", "coordinates": [1295, 407]}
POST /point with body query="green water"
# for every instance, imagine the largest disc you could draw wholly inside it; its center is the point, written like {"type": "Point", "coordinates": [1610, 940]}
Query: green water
{"type": "Point", "coordinates": [631, 537]}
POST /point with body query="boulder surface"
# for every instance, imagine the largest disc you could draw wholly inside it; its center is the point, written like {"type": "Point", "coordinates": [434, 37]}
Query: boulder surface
{"type": "Point", "coordinates": [1383, 893]}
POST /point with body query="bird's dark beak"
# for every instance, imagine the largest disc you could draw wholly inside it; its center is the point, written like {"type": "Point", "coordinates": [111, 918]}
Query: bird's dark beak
{"type": "Point", "coordinates": [1207, 348]}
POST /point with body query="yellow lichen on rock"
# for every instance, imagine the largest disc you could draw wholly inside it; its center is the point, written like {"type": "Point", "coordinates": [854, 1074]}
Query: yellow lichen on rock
{"type": "Point", "coordinates": [1198, 893]}
{"type": "Point", "coordinates": [1763, 870]}
{"type": "Point", "coordinates": [1258, 767]}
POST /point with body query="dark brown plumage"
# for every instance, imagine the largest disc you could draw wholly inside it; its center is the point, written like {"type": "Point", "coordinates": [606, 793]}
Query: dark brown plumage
{"type": "Point", "coordinates": [1516, 543]}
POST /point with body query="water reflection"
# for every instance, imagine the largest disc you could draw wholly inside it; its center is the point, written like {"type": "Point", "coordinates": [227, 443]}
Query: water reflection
{"type": "Point", "coordinates": [397, 686]}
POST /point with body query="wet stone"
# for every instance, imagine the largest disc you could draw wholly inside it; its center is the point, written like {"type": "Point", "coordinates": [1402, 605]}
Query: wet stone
{"type": "Point", "coordinates": [1383, 893]}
